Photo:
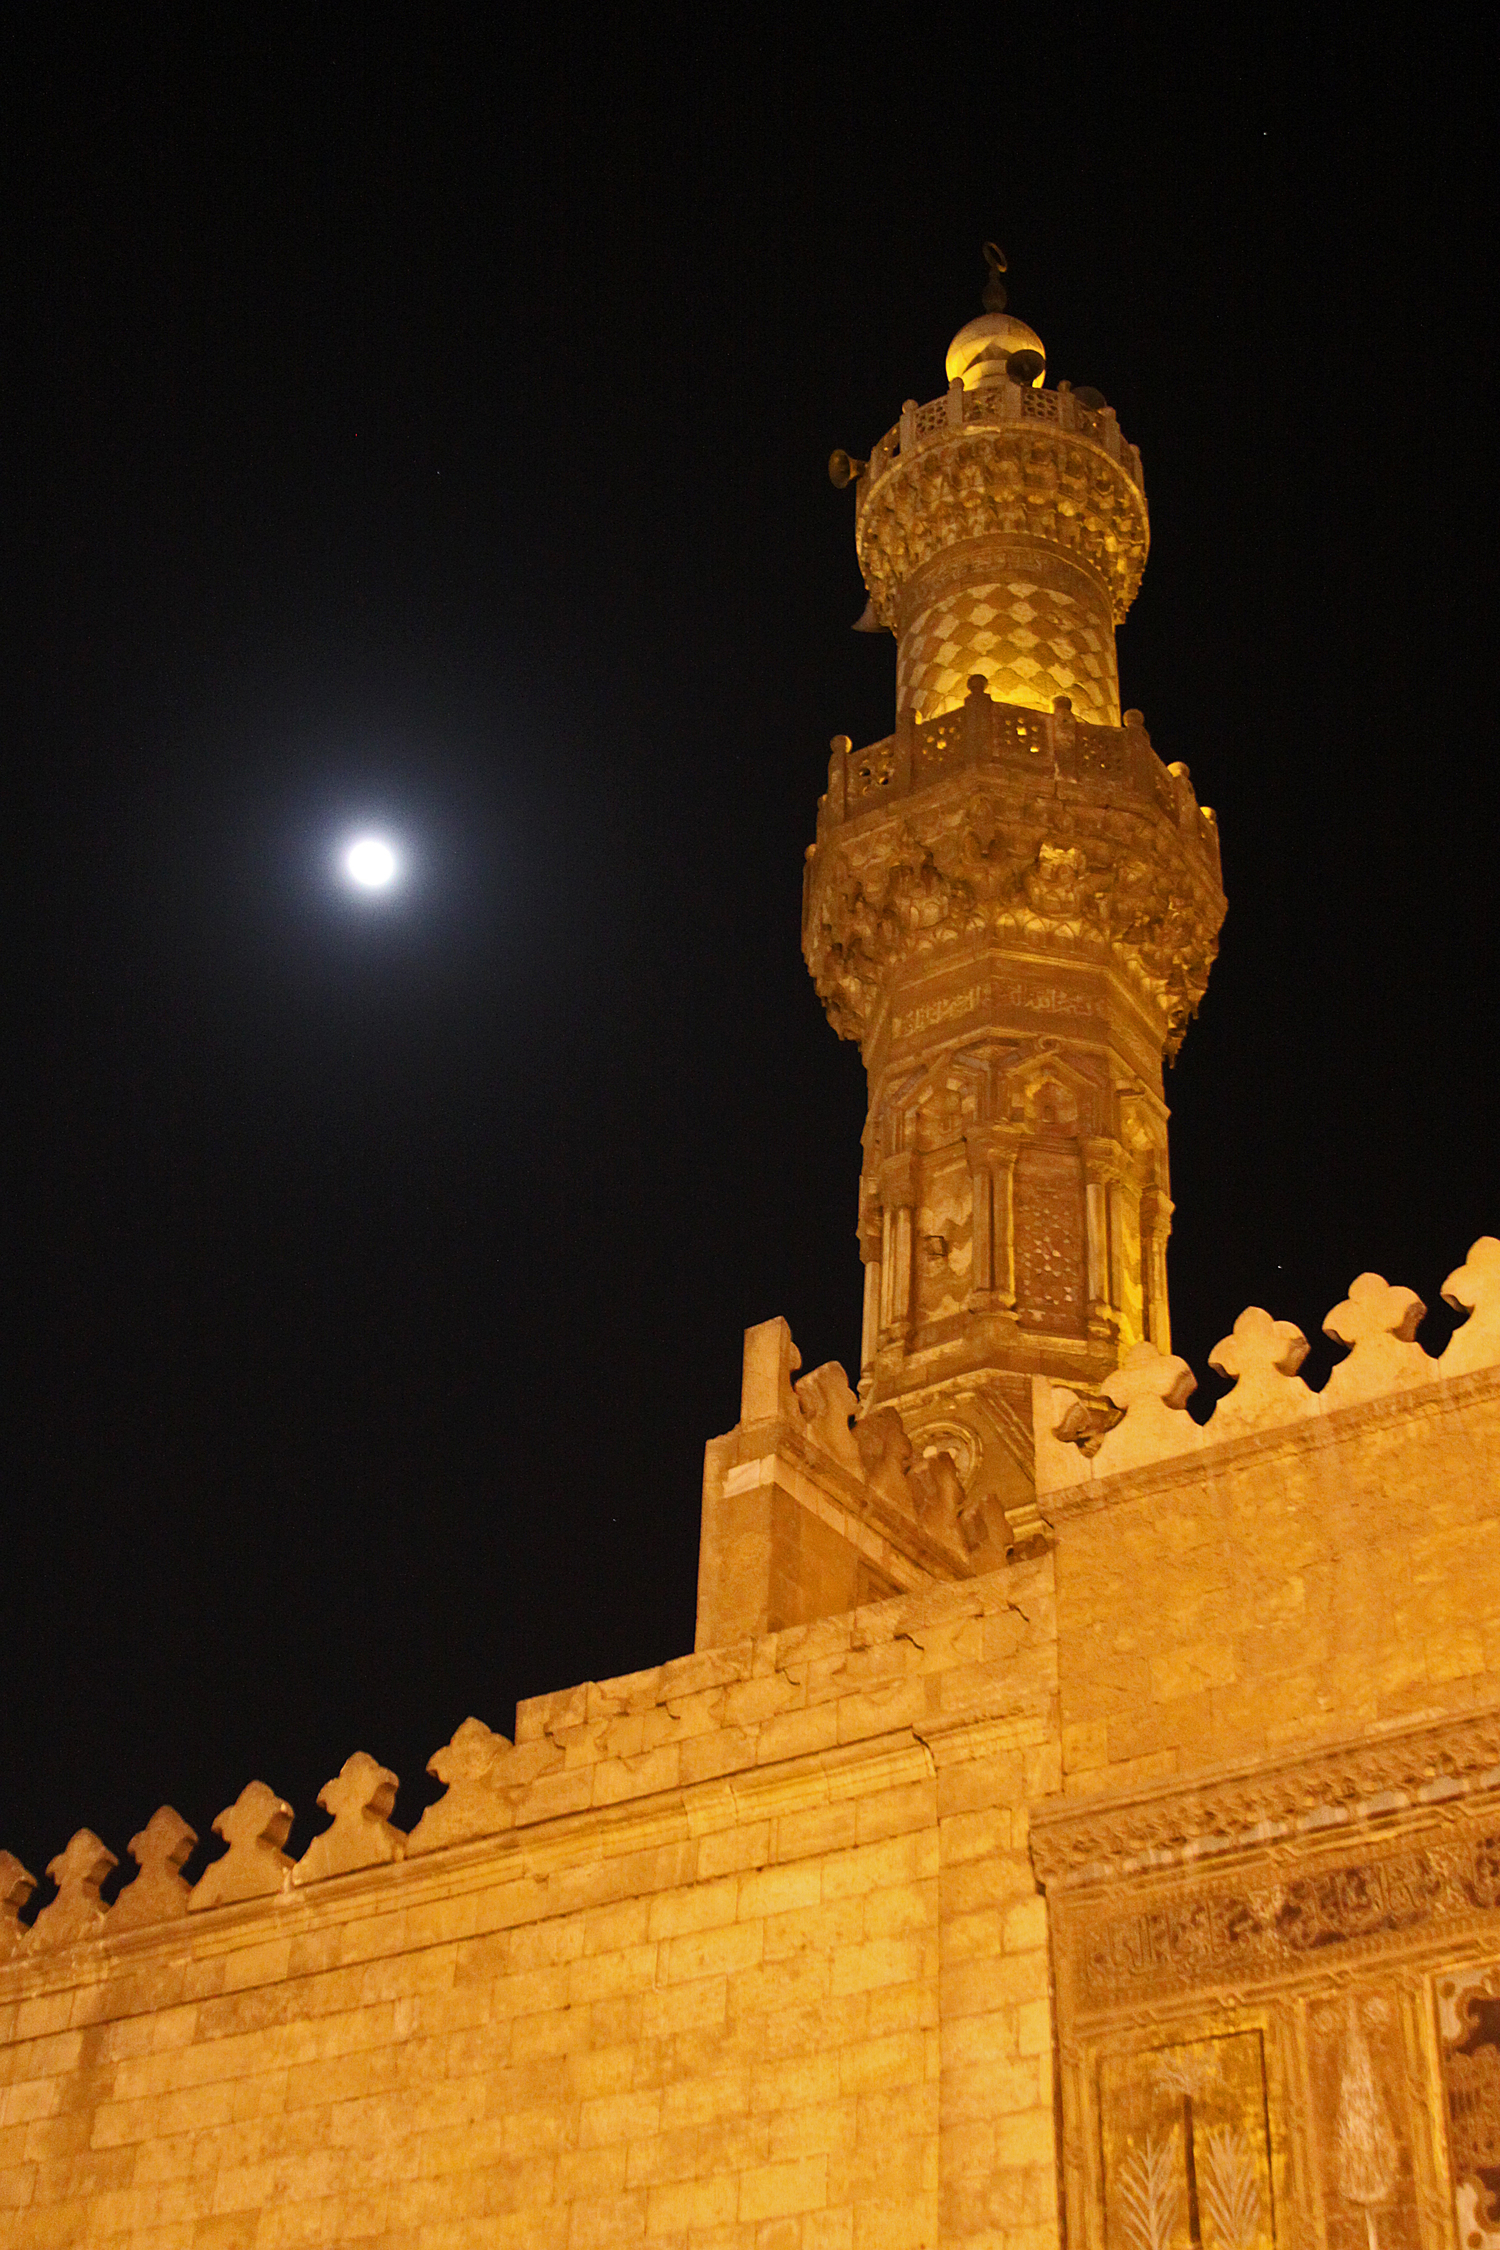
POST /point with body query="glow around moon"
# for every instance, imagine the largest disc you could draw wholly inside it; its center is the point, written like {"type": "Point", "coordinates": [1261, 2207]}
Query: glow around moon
{"type": "Point", "coordinates": [370, 863]}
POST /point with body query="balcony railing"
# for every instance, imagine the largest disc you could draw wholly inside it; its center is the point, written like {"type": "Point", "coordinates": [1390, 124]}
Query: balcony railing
{"type": "Point", "coordinates": [1002, 402]}
{"type": "Point", "coordinates": [1043, 747]}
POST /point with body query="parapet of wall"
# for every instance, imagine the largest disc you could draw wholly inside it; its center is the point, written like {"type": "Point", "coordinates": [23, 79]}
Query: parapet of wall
{"type": "Point", "coordinates": [1305, 1568]}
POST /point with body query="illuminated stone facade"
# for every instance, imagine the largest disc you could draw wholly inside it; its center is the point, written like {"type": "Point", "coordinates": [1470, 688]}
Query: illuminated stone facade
{"type": "Point", "coordinates": [1110, 1854]}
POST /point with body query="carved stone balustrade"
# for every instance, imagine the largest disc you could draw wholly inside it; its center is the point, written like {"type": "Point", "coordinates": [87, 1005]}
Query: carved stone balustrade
{"type": "Point", "coordinates": [1001, 823]}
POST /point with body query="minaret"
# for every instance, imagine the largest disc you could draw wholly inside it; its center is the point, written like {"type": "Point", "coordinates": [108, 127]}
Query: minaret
{"type": "Point", "coordinates": [1012, 905]}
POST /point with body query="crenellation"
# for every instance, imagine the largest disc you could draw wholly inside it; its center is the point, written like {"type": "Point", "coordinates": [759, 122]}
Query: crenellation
{"type": "Point", "coordinates": [1261, 1357]}
{"type": "Point", "coordinates": [476, 1802]}
{"type": "Point", "coordinates": [1474, 1288]}
{"type": "Point", "coordinates": [1148, 1395]}
{"type": "Point", "coordinates": [1379, 1323]}
{"type": "Point", "coordinates": [359, 1800]}
{"type": "Point", "coordinates": [77, 1913]}
{"type": "Point", "coordinates": [160, 1891]}
{"type": "Point", "coordinates": [16, 1887]}
{"type": "Point", "coordinates": [254, 1827]}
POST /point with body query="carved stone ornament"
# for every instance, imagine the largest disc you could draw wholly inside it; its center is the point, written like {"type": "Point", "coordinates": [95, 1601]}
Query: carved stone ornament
{"type": "Point", "coordinates": [1012, 860]}
{"type": "Point", "coordinates": [828, 1406]}
{"type": "Point", "coordinates": [1025, 477]}
{"type": "Point", "coordinates": [468, 1767]}
{"type": "Point", "coordinates": [254, 1827]}
{"type": "Point", "coordinates": [159, 1893]}
{"type": "Point", "coordinates": [1372, 1892]}
{"type": "Point", "coordinates": [360, 1799]}
{"type": "Point", "coordinates": [1468, 2026]}
{"type": "Point", "coordinates": [1093, 1842]}
{"type": "Point", "coordinates": [77, 1911]}
{"type": "Point", "coordinates": [1379, 1323]}
{"type": "Point", "coordinates": [1184, 2141]}
{"type": "Point", "coordinates": [16, 1886]}
{"type": "Point", "coordinates": [485, 1776]}
{"type": "Point", "coordinates": [1261, 1357]}
{"type": "Point", "coordinates": [1474, 1288]}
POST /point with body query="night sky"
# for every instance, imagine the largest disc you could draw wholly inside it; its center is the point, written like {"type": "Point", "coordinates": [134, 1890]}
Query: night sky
{"type": "Point", "coordinates": [421, 417]}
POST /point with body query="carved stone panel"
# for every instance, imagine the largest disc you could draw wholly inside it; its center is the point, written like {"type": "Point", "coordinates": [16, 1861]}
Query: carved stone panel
{"type": "Point", "coordinates": [944, 1231]}
{"type": "Point", "coordinates": [1049, 1237]}
{"type": "Point", "coordinates": [1185, 2133]}
{"type": "Point", "coordinates": [1356, 1952]}
{"type": "Point", "coordinates": [1468, 2031]}
{"type": "Point", "coordinates": [1362, 2123]}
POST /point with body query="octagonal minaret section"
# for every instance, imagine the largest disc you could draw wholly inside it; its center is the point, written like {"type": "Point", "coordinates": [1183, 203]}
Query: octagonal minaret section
{"type": "Point", "coordinates": [1013, 905]}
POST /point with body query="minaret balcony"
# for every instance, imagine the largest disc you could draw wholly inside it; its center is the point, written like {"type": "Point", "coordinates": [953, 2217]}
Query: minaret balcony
{"type": "Point", "coordinates": [997, 826]}
{"type": "Point", "coordinates": [998, 402]}
{"type": "Point", "coordinates": [1051, 750]}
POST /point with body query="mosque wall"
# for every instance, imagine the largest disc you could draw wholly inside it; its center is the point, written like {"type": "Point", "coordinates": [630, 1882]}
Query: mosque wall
{"type": "Point", "coordinates": [1290, 1587]}
{"type": "Point", "coordinates": [1273, 1872]}
{"type": "Point", "coordinates": [758, 1960]}
{"type": "Point", "coordinates": [1144, 1888]}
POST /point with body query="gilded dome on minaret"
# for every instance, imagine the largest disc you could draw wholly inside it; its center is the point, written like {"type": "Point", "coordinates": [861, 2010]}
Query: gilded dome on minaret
{"type": "Point", "coordinates": [981, 352]}
{"type": "Point", "coordinates": [984, 349]}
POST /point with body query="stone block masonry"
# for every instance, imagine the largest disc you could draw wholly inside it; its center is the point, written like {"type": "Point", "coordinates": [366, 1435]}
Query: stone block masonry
{"type": "Point", "coordinates": [748, 1989]}
{"type": "Point", "coordinates": [813, 1938]}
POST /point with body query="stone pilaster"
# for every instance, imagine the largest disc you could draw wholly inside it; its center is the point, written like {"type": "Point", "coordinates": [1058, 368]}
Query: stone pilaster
{"type": "Point", "coordinates": [992, 1151]}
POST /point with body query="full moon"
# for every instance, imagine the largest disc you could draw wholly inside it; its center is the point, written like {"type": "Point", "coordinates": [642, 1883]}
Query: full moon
{"type": "Point", "coordinates": [371, 863]}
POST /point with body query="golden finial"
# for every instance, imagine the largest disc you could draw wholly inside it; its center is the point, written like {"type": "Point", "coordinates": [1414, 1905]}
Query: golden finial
{"type": "Point", "coordinates": [994, 289]}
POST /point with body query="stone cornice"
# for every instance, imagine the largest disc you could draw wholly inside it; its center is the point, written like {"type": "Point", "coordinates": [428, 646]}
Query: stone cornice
{"type": "Point", "coordinates": [1098, 1840]}
{"type": "Point", "coordinates": [1022, 858]}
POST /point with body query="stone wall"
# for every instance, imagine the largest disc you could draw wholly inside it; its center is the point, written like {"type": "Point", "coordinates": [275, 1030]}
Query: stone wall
{"type": "Point", "coordinates": [1182, 1825]}
{"type": "Point", "coordinates": [1309, 1567]}
{"type": "Point", "coordinates": [1287, 1589]}
{"type": "Point", "coordinates": [760, 1961]}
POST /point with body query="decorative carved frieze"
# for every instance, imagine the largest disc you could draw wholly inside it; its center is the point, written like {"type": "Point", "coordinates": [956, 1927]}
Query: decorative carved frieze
{"type": "Point", "coordinates": [1027, 479]}
{"type": "Point", "coordinates": [1095, 1842]}
{"type": "Point", "coordinates": [1016, 860]}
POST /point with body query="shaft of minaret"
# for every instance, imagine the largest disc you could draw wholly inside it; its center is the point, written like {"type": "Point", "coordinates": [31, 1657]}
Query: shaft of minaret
{"type": "Point", "coordinates": [1012, 904]}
